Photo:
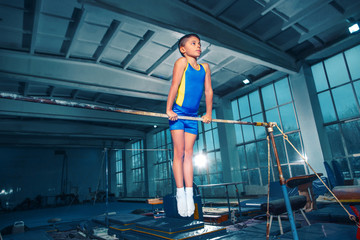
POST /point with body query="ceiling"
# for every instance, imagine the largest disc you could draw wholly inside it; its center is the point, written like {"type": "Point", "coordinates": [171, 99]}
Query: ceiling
{"type": "Point", "coordinates": [121, 53]}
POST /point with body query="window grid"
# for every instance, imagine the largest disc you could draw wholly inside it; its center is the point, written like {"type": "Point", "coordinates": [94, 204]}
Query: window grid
{"type": "Point", "coordinates": [331, 89]}
{"type": "Point", "coordinates": [251, 141]}
{"type": "Point", "coordinates": [344, 144]}
{"type": "Point", "coordinates": [162, 165]}
{"type": "Point", "coordinates": [119, 170]}
{"type": "Point", "coordinates": [137, 159]}
{"type": "Point", "coordinates": [208, 144]}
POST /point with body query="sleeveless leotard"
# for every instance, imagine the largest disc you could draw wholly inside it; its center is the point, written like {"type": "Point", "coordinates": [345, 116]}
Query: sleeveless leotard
{"type": "Point", "coordinates": [191, 88]}
{"type": "Point", "coordinates": [188, 99]}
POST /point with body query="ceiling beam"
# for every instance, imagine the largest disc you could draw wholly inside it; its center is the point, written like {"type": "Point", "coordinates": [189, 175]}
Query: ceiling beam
{"type": "Point", "coordinates": [304, 13]}
{"type": "Point", "coordinates": [97, 97]}
{"type": "Point", "coordinates": [50, 91]}
{"type": "Point", "coordinates": [270, 6]}
{"type": "Point", "coordinates": [84, 76]}
{"type": "Point", "coordinates": [179, 16]}
{"type": "Point", "coordinates": [81, 75]}
{"type": "Point", "coordinates": [222, 6]}
{"type": "Point", "coordinates": [74, 93]}
{"type": "Point", "coordinates": [331, 22]}
{"type": "Point", "coordinates": [258, 13]}
{"type": "Point", "coordinates": [39, 110]}
{"type": "Point", "coordinates": [347, 43]}
{"type": "Point", "coordinates": [167, 54]}
{"type": "Point", "coordinates": [66, 129]}
{"type": "Point", "coordinates": [35, 25]}
{"type": "Point", "coordinates": [142, 43]}
{"type": "Point", "coordinates": [223, 64]}
{"type": "Point", "coordinates": [105, 42]}
{"type": "Point", "coordinates": [24, 88]}
{"type": "Point", "coordinates": [78, 18]}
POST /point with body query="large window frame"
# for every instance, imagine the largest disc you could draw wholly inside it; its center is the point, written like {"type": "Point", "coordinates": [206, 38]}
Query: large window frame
{"type": "Point", "coordinates": [337, 84]}
{"type": "Point", "coordinates": [270, 103]}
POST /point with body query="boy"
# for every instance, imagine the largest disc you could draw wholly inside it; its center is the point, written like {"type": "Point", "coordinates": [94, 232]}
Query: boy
{"type": "Point", "coordinates": [189, 81]}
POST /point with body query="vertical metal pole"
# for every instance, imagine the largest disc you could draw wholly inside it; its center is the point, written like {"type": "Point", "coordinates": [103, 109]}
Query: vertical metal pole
{"type": "Point", "coordinates": [173, 185]}
{"type": "Point", "coordinates": [107, 186]}
{"type": "Point", "coordinates": [228, 200]}
{"type": "Point", "coordinates": [283, 184]}
{"type": "Point", "coordinates": [238, 199]}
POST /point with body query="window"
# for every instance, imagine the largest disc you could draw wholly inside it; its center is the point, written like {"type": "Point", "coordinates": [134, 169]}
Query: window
{"type": "Point", "coordinates": [119, 171]}
{"type": "Point", "coordinates": [162, 165]}
{"type": "Point", "coordinates": [337, 82]}
{"type": "Point", "coordinates": [138, 167]}
{"type": "Point", "coordinates": [208, 144]}
{"type": "Point", "coordinates": [270, 103]}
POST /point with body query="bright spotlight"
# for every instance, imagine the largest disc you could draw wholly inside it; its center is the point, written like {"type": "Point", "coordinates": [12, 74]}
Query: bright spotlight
{"type": "Point", "coordinates": [354, 28]}
{"type": "Point", "coordinates": [246, 81]}
{"type": "Point", "coordinates": [200, 160]}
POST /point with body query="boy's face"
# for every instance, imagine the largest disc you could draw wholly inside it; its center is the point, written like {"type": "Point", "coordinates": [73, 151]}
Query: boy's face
{"type": "Point", "coordinates": [192, 47]}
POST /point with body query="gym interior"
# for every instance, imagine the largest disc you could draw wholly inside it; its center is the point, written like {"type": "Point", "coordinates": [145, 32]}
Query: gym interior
{"type": "Point", "coordinates": [86, 150]}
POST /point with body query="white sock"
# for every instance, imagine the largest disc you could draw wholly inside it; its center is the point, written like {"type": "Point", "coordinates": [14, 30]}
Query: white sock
{"type": "Point", "coordinates": [181, 202]}
{"type": "Point", "coordinates": [189, 201]}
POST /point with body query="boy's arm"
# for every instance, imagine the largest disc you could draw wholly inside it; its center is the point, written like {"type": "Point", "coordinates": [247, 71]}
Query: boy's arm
{"type": "Point", "coordinates": [208, 95]}
{"type": "Point", "coordinates": [178, 71]}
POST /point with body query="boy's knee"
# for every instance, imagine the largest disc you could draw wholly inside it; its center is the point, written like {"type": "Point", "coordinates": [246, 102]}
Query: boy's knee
{"type": "Point", "coordinates": [179, 154]}
{"type": "Point", "coordinates": [188, 154]}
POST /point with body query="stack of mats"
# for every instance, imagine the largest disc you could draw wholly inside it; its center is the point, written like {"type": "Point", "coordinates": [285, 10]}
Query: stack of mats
{"type": "Point", "coordinates": [332, 213]}
{"type": "Point", "coordinates": [324, 231]}
{"type": "Point", "coordinates": [131, 226]}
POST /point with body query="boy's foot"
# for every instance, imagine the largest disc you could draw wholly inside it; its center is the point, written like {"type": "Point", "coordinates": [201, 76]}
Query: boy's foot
{"type": "Point", "coordinates": [189, 201]}
{"type": "Point", "coordinates": [181, 202]}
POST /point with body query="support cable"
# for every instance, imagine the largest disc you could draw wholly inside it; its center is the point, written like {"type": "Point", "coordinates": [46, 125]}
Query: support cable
{"type": "Point", "coordinates": [352, 217]}
{"type": "Point", "coordinates": [268, 193]}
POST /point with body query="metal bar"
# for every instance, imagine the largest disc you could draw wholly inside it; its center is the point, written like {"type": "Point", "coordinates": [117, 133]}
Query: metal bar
{"type": "Point", "coordinates": [238, 198]}
{"type": "Point", "coordinates": [228, 200]}
{"type": "Point", "coordinates": [220, 184]}
{"type": "Point", "coordinates": [283, 185]}
{"type": "Point", "coordinates": [121, 110]}
{"type": "Point", "coordinates": [203, 196]}
{"type": "Point", "coordinates": [107, 187]}
{"type": "Point", "coordinates": [227, 193]}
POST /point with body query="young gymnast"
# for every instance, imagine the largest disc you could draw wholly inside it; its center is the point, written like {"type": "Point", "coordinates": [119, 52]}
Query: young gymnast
{"type": "Point", "coordinates": [190, 80]}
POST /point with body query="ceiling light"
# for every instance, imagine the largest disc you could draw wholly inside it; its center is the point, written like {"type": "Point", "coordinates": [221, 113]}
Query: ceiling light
{"type": "Point", "coordinates": [246, 81]}
{"type": "Point", "coordinates": [354, 28]}
{"type": "Point", "coordinates": [155, 126]}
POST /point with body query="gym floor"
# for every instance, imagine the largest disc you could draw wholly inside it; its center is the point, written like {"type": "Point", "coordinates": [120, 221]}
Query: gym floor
{"type": "Point", "coordinates": [70, 216]}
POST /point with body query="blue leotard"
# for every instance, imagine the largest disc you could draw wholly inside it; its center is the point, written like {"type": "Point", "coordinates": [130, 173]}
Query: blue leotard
{"type": "Point", "coordinates": [191, 87]}
{"type": "Point", "coordinates": [188, 98]}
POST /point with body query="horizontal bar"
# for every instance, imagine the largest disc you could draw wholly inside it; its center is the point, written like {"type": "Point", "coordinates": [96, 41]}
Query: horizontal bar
{"type": "Point", "coordinates": [121, 110]}
{"type": "Point", "coordinates": [221, 184]}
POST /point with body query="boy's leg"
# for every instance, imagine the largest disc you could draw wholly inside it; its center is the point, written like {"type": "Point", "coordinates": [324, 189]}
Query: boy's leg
{"type": "Point", "coordinates": [189, 172]}
{"type": "Point", "coordinates": [188, 156]}
{"type": "Point", "coordinates": [179, 145]}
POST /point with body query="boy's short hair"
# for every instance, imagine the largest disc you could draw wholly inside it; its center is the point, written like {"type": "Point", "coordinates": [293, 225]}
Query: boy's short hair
{"type": "Point", "coordinates": [183, 40]}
